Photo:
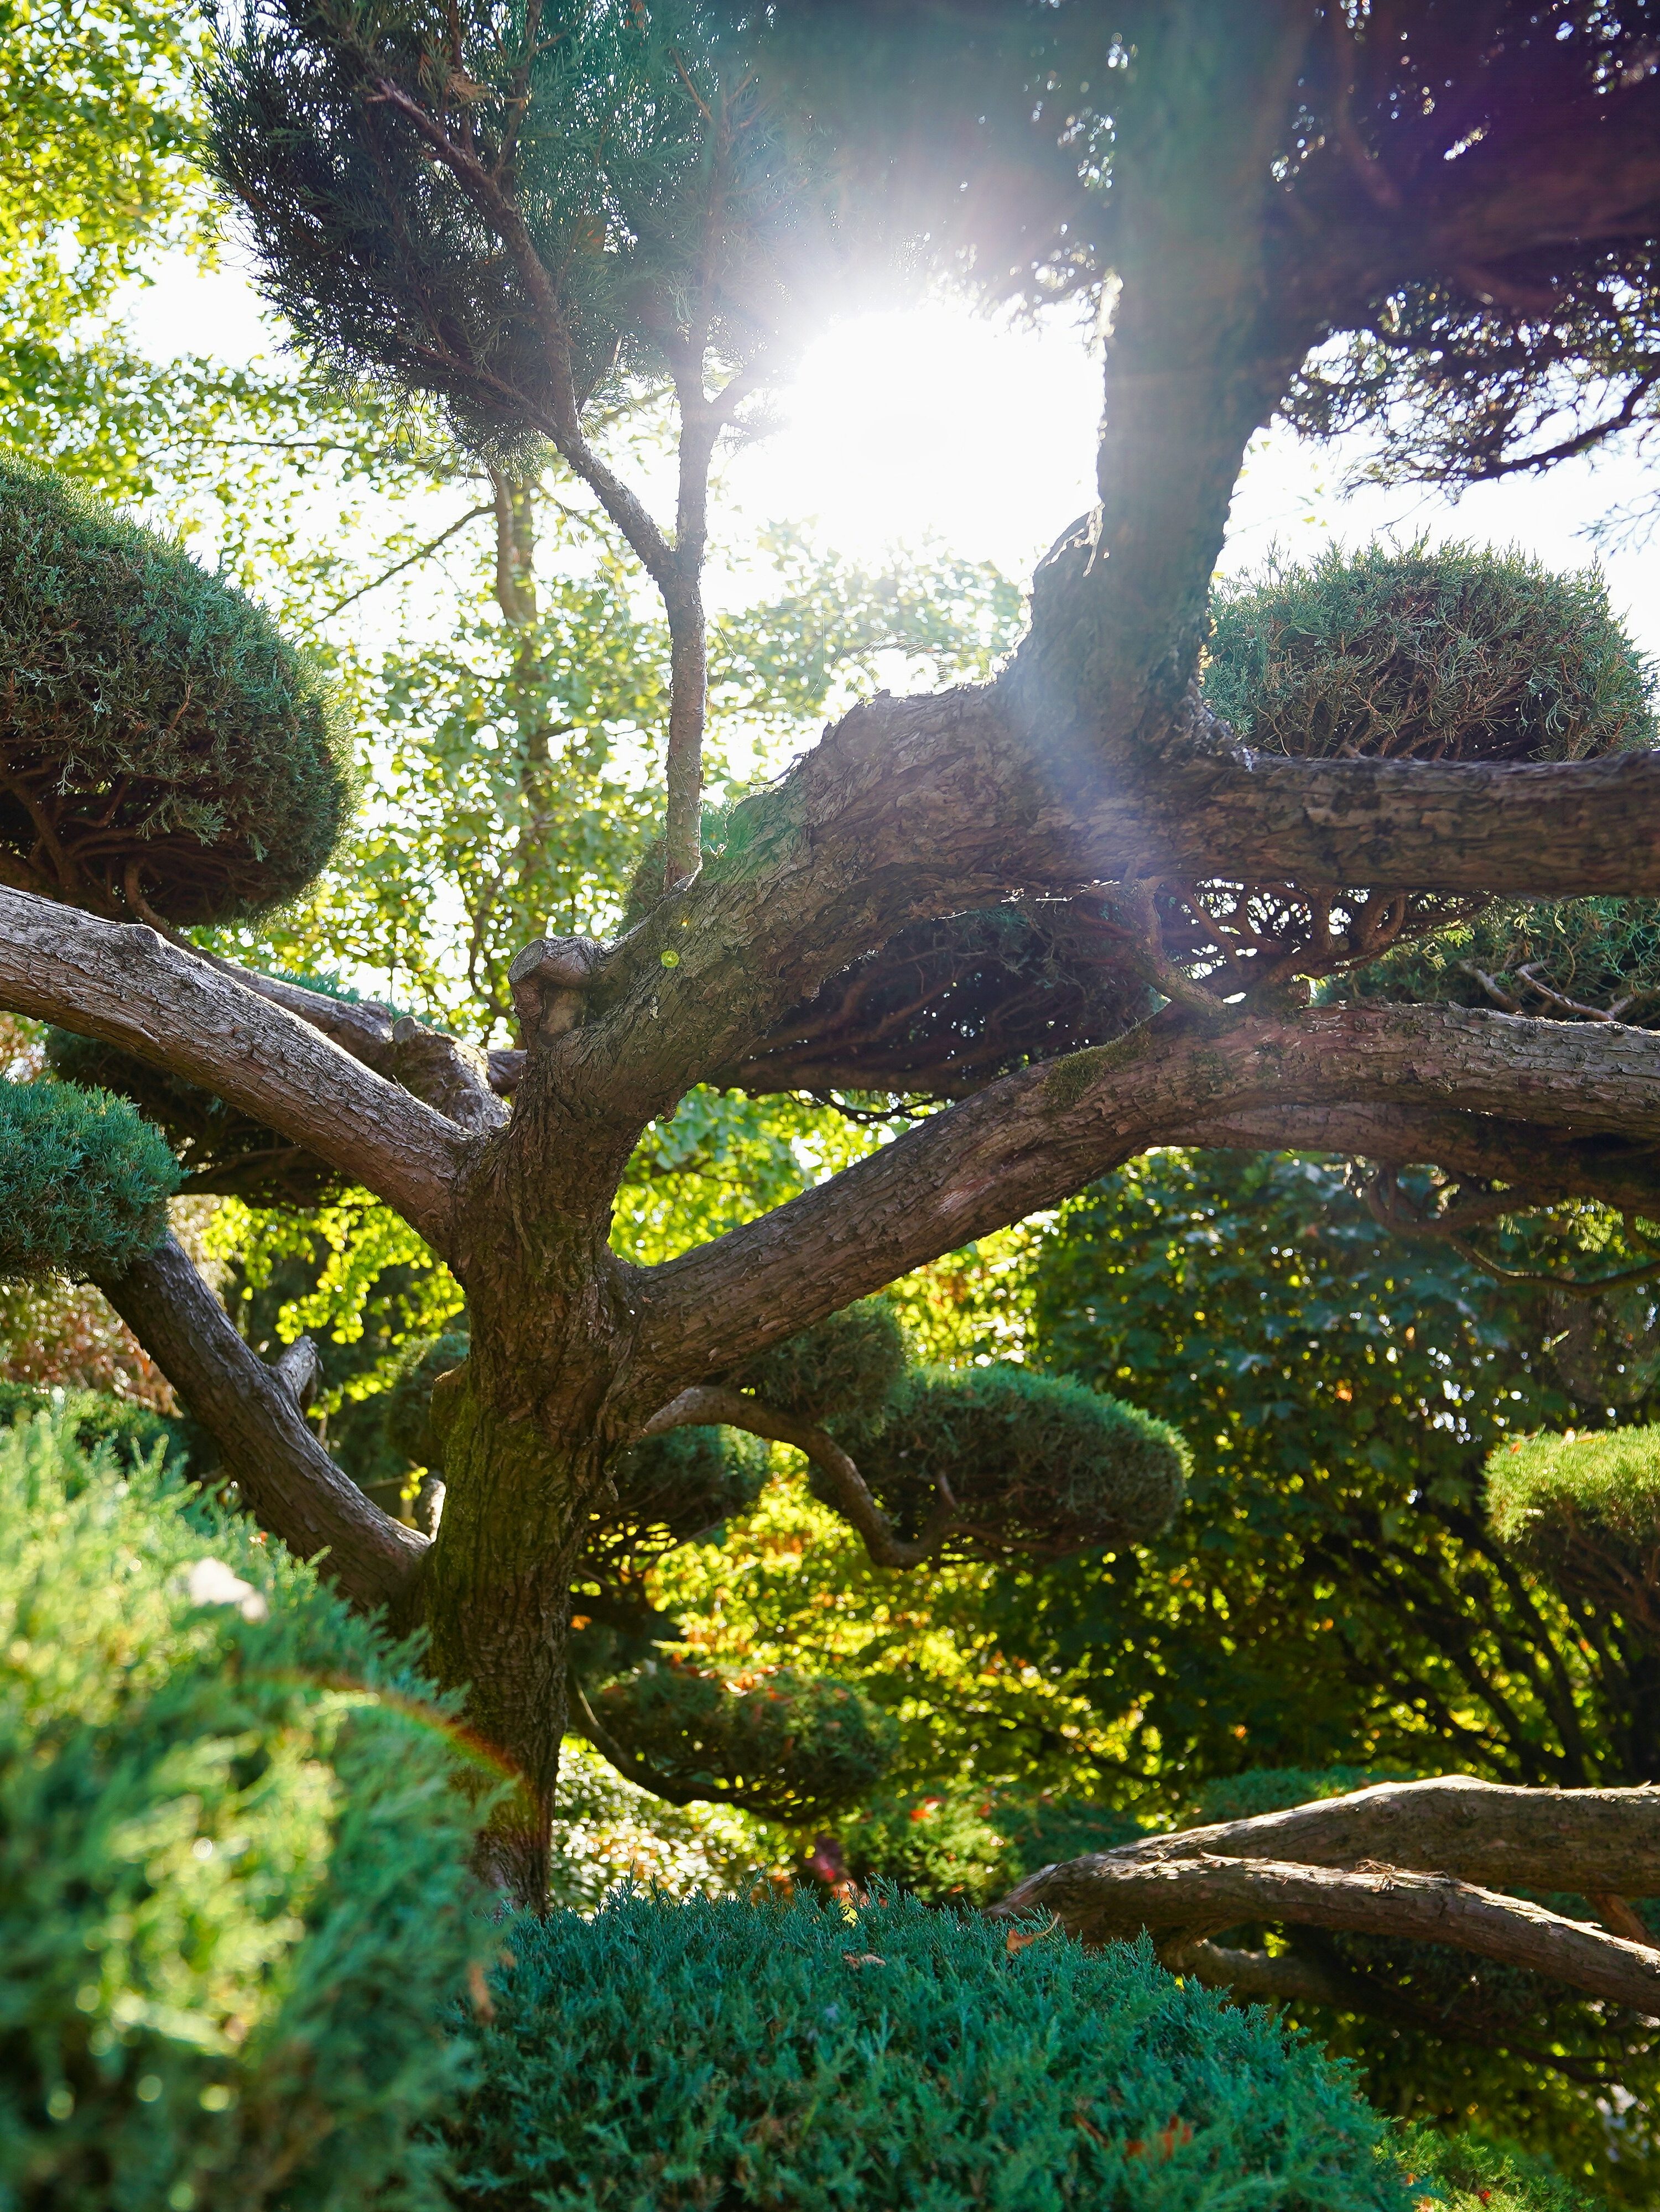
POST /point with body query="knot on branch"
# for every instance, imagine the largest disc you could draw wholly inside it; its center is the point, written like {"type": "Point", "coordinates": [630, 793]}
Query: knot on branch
{"type": "Point", "coordinates": [549, 981]}
{"type": "Point", "coordinates": [454, 1077]}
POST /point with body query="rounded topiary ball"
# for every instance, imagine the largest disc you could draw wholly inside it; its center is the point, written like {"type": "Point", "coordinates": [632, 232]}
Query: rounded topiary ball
{"type": "Point", "coordinates": [684, 1483]}
{"type": "Point", "coordinates": [789, 1746]}
{"type": "Point", "coordinates": [1455, 652]}
{"type": "Point", "coordinates": [1585, 1512]}
{"type": "Point", "coordinates": [847, 1364]}
{"type": "Point", "coordinates": [165, 751]}
{"type": "Point", "coordinates": [84, 1181]}
{"type": "Point", "coordinates": [1035, 1464]}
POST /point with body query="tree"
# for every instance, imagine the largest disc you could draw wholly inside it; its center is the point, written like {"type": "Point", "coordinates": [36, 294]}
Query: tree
{"type": "Point", "coordinates": [1075, 900]}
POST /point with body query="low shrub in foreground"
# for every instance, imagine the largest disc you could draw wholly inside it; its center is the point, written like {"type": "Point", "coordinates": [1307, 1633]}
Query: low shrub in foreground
{"type": "Point", "coordinates": [821, 2057]}
{"type": "Point", "coordinates": [233, 1902]}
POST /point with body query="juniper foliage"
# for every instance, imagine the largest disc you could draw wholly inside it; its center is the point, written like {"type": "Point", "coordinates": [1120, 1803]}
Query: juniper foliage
{"type": "Point", "coordinates": [165, 751]}
{"type": "Point", "coordinates": [823, 2055]}
{"type": "Point", "coordinates": [789, 1746]}
{"type": "Point", "coordinates": [233, 1896]}
{"type": "Point", "coordinates": [844, 1368]}
{"type": "Point", "coordinates": [84, 1181]}
{"type": "Point", "coordinates": [1035, 1463]}
{"type": "Point", "coordinates": [645, 164]}
{"type": "Point", "coordinates": [1450, 652]}
{"type": "Point", "coordinates": [1584, 1509]}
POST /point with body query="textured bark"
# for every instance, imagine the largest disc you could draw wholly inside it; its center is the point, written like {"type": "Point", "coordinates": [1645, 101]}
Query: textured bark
{"type": "Point", "coordinates": [1031, 1139]}
{"type": "Point", "coordinates": [1187, 1899]}
{"type": "Point", "coordinates": [127, 985]}
{"type": "Point", "coordinates": [253, 1413]}
{"type": "Point", "coordinates": [1486, 1832]}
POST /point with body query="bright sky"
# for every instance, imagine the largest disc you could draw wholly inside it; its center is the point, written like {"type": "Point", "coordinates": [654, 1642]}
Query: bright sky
{"type": "Point", "coordinates": [932, 422]}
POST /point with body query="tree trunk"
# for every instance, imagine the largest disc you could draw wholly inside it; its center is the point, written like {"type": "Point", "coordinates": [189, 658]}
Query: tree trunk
{"type": "Point", "coordinates": [495, 1601]}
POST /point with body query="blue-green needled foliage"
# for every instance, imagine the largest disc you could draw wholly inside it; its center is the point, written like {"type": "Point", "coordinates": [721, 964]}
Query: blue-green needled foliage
{"type": "Point", "coordinates": [843, 2059]}
{"type": "Point", "coordinates": [165, 751]}
{"type": "Point", "coordinates": [1584, 1509]}
{"type": "Point", "coordinates": [84, 1181]}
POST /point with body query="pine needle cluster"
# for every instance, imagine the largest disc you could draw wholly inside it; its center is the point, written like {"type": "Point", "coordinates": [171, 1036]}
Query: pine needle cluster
{"type": "Point", "coordinates": [166, 752]}
{"type": "Point", "coordinates": [822, 2056]}
{"type": "Point", "coordinates": [84, 1181]}
{"type": "Point", "coordinates": [1450, 652]}
{"type": "Point", "coordinates": [788, 1746]}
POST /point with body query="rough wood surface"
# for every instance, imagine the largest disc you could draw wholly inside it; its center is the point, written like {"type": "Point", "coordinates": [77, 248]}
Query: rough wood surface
{"type": "Point", "coordinates": [126, 984]}
{"type": "Point", "coordinates": [1193, 1898]}
{"type": "Point", "coordinates": [252, 1412]}
{"type": "Point", "coordinates": [1033, 1138]}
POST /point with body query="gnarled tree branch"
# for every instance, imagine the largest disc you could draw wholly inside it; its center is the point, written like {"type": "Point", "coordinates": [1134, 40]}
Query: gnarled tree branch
{"type": "Point", "coordinates": [1031, 1139]}
{"type": "Point", "coordinates": [1187, 1899]}
{"type": "Point", "coordinates": [125, 984]}
{"type": "Point", "coordinates": [254, 1413]}
{"type": "Point", "coordinates": [715, 1403]}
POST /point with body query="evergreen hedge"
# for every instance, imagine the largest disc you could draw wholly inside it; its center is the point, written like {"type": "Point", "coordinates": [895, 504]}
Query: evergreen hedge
{"type": "Point", "coordinates": [1584, 1511]}
{"type": "Point", "coordinates": [155, 717]}
{"type": "Point", "coordinates": [847, 1365]}
{"type": "Point", "coordinates": [233, 1902]}
{"type": "Point", "coordinates": [84, 1181]}
{"type": "Point", "coordinates": [831, 2058]}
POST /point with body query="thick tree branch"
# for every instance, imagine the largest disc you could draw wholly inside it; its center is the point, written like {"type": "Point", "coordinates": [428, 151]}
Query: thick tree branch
{"type": "Point", "coordinates": [733, 1409]}
{"type": "Point", "coordinates": [124, 984]}
{"type": "Point", "coordinates": [1189, 1899]}
{"type": "Point", "coordinates": [909, 810]}
{"type": "Point", "coordinates": [253, 1413]}
{"type": "Point", "coordinates": [1578, 1840]}
{"type": "Point", "coordinates": [1535, 1168]}
{"type": "Point", "coordinates": [1033, 1138]}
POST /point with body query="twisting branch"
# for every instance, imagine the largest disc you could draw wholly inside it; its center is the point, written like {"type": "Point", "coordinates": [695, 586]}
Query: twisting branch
{"type": "Point", "coordinates": [587, 1722]}
{"type": "Point", "coordinates": [713, 1404]}
{"type": "Point", "coordinates": [1394, 1209]}
{"type": "Point", "coordinates": [255, 1414]}
{"type": "Point", "coordinates": [124, 984]}
{"type": "Point", "coordinates": [1032, 1138]}
{"type": "Point", "coordinates": [1186, 1900]}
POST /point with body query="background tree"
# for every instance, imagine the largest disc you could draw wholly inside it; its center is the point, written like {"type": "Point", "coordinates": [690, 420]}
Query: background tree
{"type": "Point", "coordinates": [525, 218]}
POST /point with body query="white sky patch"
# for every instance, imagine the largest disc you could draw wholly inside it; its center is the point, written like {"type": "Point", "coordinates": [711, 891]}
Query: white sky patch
{"type": "Point", "coordinates": [936, 423]}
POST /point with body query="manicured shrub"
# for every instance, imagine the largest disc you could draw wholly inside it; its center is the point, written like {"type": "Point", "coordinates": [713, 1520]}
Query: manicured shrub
{"type": "Point", "coordinates": [1584, 1511]}
{"type": "Point", "coordinates": [84, 1181]}
{"type": "Point", "coordinates": [679, 1486]}
{"type": "Point", "coordinates": [788, 1746]}
{"type": "Point", "coordinates": [132, 1433]}
{"type": "Point", "coordinates": [1450, 652]}
{"type": "Point", "coordinates": [175, 743]}
{"type": "Point", "coordinates": [833, 2058]}
{"type": "Point", "coordinates": [846, 1365]}
{"type": "Point", "coordinates": [1036, 1464]}
{"type": "Point", "coordinates": [234, 1901]}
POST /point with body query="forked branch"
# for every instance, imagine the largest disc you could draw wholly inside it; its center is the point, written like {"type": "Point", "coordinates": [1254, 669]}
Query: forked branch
{"type": "Point", "coordinates": [717, 1405]}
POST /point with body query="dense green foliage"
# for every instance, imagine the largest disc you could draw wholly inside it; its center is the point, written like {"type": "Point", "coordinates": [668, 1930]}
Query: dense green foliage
{"type": "Point", "coordinates": [844, 1368]}
{"type": "Point", "coordinates": [682, 2055]}
{"type": "Point", "coordinates": [969, 1847]}
{"type": "Point", "coordinates": [1584, 1511]}
{"type": "Point", "coordinates": [91, 1418]}
{"type": "Point", "coordinates": [1566, 959]}
{"type": "Point", "coordinates": [617, 153]}
{"type": "Point", "coordinates": [233, 1891]}
{"type": "Point", "coordinates": [1450, 654]}
{"type": "Point", "coordinates": [84, 1181]}
{"type": "Point", "coordinates": [1035, 1464]}
{"type": "Point", "coordinates": [182, 752]}
{"type": "Point", "coordinates": [791, 1746]}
